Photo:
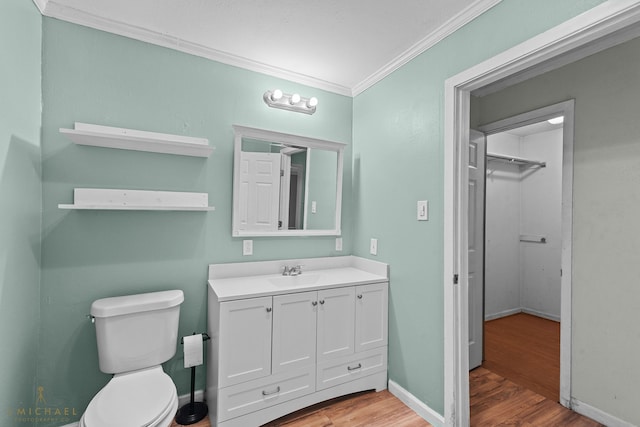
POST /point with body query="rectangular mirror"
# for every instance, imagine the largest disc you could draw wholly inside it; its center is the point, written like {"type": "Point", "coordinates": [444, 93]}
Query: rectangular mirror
{"type": "Point", "coordinates": [285, 185]}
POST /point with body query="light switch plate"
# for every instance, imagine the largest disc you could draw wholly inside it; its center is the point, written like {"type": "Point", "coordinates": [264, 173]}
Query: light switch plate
{"type": "Point", "coordinates": [338, 243]}
{"type": "Point", "coordinates": [247, 247]}
{"type": "Point", "coordinates": [314, 207]}
{"type": "Point", "coordinates": [423, 210]}
{"type": "Point", "coordinates": [373, 248]}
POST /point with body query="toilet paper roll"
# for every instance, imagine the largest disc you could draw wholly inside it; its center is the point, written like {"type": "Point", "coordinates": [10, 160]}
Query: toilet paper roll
{"type": "Point", "coordinates": [192, 350]}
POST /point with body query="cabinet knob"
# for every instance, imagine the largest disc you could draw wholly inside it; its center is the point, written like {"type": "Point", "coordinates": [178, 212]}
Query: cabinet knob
{"type": "Point", "coordinates": [321, 301]}
{"type": "Point", "coordinates": [268, 309]}
{"type": "Point", "coordinates": [360, 296]}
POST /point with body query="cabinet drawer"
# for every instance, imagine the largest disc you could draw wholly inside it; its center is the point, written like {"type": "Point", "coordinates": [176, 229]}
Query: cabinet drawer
{"type": "Point", "coordinates": [254, 395]}
{"type": "Point", "coordinates": [351, 367]}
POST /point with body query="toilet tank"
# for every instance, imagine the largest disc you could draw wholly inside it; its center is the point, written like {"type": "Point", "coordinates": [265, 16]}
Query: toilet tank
{"type": "Point", "coordinates": [136, 331]}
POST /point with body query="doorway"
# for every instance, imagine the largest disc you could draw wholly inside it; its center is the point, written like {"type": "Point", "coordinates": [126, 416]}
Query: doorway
{"type": "Point", "coordinates": [523, 255]}
{"type": "Point", "coordinates": [590, 32]}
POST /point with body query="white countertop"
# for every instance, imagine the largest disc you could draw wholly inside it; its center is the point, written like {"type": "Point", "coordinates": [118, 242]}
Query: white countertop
{"type": "Point", "coordinates": [324, 273]}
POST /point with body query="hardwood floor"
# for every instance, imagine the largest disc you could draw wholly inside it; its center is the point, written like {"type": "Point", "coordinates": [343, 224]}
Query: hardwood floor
{"type": "Point", "coordinates": [519, 381]}
{"type": "Point", "coordinates": [368, 409]}
{"type": "Point", "coordinates": [526, 350]}
{"type": "Point", "coordinates": [496, 401]}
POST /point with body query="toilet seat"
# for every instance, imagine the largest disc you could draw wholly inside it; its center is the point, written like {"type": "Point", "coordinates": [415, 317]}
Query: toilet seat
{"type": "Point", "coordinates": [144, 398]}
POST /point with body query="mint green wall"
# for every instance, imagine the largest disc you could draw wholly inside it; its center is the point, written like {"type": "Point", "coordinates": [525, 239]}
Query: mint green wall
{"type": "Point", "coordinates": [20, 206]}
{"type": "Point", "coordinates": [94, 77]}
{"type": "Point", "coordinates": [606, 202]}
{"type": "Point", "coordinates": [322, 189]}
{"type": "Point", "coordinates": [398, 160]}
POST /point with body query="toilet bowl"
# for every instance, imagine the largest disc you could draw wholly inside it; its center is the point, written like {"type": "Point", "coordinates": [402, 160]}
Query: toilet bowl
{"type": "Point", "coordinates": [135, 335]}
{"type": "Point", "coordinates": [135, 399]}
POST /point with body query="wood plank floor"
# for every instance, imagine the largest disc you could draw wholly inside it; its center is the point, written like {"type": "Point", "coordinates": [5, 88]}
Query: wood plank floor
{"type": "Point", "coordinates": [496, 401]}
{"type": "Point", "coordinates": [368, 409]}
{"type": "Point", "coordinates": [525, 349]}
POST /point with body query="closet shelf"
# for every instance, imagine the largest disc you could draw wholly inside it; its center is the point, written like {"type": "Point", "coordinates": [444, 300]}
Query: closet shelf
{"type": "Point", "coordinates": [120, 199]}
{"type": "Point", "coordinates": [129, 139]}
{"type": "Point", "coordinates": [515, 160]}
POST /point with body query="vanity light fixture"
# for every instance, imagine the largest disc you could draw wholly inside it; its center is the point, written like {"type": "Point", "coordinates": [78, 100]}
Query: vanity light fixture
{"type": "Point", "coordinates": [277, 99]}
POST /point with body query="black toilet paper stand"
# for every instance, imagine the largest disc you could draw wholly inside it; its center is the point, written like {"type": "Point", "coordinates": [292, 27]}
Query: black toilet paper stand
{"type": "Point", "coordinates": [192, 412]}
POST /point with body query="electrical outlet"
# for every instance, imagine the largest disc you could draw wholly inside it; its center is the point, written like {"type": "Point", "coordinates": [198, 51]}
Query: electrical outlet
{"type": "Point", "coordinates": [338, 243]}
{"type": "Point", "coordinates": [314, 207]}
{"type": "Point", "coordinates": [247, 247]}
{"type": "Point", "coordinates": [373, 248]}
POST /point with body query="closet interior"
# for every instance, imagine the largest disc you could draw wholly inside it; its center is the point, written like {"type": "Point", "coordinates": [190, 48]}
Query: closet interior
{"type": "Point", "coordinates": [523, 201]}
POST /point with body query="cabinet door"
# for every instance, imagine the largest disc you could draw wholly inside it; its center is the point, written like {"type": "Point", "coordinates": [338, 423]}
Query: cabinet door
{"type": "Point", "coordinates": [245, 340]}
{"type": "Point", "coordinates": [371, 316]}
{"type": "Point", "coordinates": [336, 322]}
{"type": "Point", "coordinates": [294, 330]}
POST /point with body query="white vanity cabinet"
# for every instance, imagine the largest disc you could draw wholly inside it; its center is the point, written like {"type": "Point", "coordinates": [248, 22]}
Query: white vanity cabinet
{"type": "Point", "coordinates": [294, 331]}
{"type": "Point", "coordinates": [335, 316]}
{"type": "Point", "coordinates": [274, 350]}
{"type": "Point", "coordinates": [245, 341]}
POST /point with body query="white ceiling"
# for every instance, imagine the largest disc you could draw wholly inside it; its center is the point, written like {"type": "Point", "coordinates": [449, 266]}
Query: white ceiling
{"type": "Point", "coordinates": [343, 46]}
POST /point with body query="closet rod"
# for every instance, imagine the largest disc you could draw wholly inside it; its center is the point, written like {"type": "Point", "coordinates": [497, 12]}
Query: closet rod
{"type": "Point", "coordinates": [515, 160]}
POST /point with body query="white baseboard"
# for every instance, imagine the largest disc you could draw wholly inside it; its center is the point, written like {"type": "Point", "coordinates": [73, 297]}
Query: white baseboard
{"type": "Point", "coordinates": [513, 311]}
{"type": "Point", "coordinates": [416, 405]}
{"type": "Point", "coordinates": [504, 313]}
{"type": "Point", "coordinates": [198, 396]}
{"type": "Point", "coordinates": [597, 414]}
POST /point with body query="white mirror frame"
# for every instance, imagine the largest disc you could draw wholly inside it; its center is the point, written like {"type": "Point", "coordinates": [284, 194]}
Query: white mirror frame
{"type": "Point", "coordinates": [284, 138]}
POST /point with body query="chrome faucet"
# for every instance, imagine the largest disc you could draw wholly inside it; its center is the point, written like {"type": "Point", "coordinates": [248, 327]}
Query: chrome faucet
{"type": "Point", "coordinates": [295, 271]}
{"type": "Point", "coordinates": [292, 271]}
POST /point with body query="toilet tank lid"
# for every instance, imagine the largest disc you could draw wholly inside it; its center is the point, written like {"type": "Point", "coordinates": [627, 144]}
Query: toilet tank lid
{"type": "Point", "coordinates": [117, 306]}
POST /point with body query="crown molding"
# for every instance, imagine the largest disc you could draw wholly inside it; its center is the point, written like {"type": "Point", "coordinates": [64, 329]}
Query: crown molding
{"type": "Point", "coordinates": [75, 16]}
{"type": "Point", "coordinates": [41, 5]}
{"type": "Point", "coordinates": [52, 9]}
{"type": "Point", "coordinates": [452, 25]}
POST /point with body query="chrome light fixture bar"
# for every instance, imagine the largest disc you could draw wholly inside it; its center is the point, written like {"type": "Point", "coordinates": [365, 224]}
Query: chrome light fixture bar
{"type": "Point", "coordinates": [277, 99]}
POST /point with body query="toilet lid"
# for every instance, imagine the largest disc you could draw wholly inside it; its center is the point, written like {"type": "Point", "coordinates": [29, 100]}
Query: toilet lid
{"type": "Point", "coordinates": [138, 398]}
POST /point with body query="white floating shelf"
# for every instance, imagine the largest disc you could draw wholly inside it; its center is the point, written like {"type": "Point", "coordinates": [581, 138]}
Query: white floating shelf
{"type": "Point", "coordinates": [129, 139]}
{"type": "Point", "coordinates": [108, 199]}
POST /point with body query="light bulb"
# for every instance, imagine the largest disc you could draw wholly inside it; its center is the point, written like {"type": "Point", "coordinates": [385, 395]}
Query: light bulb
{"type": "Point", "coordinates": [295, 98]}
{"type": "Point", "coordinates": [276, 95]}
{"type": "Point", "coordinates": [312, 102]}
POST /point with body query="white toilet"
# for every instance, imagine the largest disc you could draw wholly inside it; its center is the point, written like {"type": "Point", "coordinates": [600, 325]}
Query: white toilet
{"type": "Point", "coordinates": [135, 334]}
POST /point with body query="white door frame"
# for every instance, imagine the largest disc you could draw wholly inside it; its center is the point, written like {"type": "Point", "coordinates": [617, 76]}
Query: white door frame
{"type": "Point", "coordinates": [583, 35]}
{"type": "Point", "coordinates": [565, 109]}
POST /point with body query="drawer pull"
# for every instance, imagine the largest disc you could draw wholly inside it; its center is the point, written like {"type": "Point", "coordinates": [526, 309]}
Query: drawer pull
{"type": "Point", "coordinates": [314, 303]}
{"type": "Point", "coordinates": [349, 368]}
{"type": "Point", "coordinates": [360, 296]}
{"type": "Point", "coordinates": [321, 301]}
{"type": "Point", "coordinates": [267, 393]}
{"type": "Point", "coordinates": [268, 309]}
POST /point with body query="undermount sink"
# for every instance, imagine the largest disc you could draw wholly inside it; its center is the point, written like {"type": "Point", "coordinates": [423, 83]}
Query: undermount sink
{"type": "Point", "coordinates": [299, 280]}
